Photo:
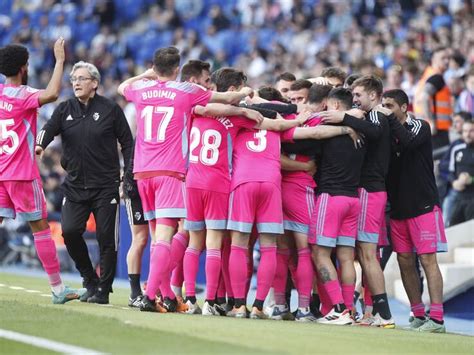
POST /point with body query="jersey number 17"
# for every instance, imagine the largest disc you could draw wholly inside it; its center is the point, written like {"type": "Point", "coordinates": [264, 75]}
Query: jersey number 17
{"type": "Point", "coordinates": [148, 113]}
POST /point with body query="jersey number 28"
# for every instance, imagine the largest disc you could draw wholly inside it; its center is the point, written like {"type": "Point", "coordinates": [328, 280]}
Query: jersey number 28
{"type": "Point", "coordinates": [211, 141]}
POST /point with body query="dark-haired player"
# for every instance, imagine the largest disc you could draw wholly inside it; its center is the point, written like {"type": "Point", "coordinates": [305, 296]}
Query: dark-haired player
{"type": "Point", "coordinates": [415, 216]}
{"type": "Point", "coordinates": [21, 190]}
{"type": "Point", "coordinates": [161, 153]}
{"type": "Point", "coordinates": [367, 91]}
{"type": "Point", "coordinates": [283, 83]}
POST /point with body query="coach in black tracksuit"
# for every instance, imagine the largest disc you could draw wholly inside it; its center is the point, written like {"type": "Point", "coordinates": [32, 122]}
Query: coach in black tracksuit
{"type": "Point", "coordinates": [90, 126]}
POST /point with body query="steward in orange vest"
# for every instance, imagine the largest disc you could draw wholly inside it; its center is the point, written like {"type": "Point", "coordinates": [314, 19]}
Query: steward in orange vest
{"type": "Point", "coordinates": [433, 101]}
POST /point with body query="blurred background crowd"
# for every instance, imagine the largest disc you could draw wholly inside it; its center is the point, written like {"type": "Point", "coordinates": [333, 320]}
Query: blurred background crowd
{"type": "Point", "coordinates": [265, 38]}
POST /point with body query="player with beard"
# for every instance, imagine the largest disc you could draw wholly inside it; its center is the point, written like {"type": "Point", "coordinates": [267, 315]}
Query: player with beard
{"type": "Point", "coordinates": [21, 191]}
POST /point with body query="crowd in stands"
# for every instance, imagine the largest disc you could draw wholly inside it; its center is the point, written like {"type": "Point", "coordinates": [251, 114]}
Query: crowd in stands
{"type": "Point", "coordinates": [392, 39]}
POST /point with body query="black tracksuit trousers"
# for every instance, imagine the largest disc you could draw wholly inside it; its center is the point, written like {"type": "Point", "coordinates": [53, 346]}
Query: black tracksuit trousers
{"type": "Point", "coordinates": [104, 204]}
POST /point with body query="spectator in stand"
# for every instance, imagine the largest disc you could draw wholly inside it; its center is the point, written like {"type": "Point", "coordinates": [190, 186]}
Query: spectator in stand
{"type": "Point", "coordinates": [408, 84]}
{"type": "Point", "coordinates": [466, 98]}
{"type": "Point", "coordinates": [394, 77]}
{"type": "Point", "coordinates": [446, 165]}
{"type": "Point", "coordinates": [463, 178]}
{"type": "Point", "coordinates": [219, 19]}
{"type": "Point", "coordinates": [433, 98]}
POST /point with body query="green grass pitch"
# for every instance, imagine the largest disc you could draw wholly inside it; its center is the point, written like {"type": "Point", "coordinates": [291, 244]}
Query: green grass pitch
{"type": "Point", "coordinates": [116, 329]}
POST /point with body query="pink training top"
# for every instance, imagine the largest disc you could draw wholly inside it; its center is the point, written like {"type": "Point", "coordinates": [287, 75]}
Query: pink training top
{"type": "Point", "coordinates": [301, 177]}
{"type": "Point", "coordinates": [257, 156]}
{"type": "Point", "coordinates": [18, 114]}
{"type": "Point", "coordinates": [210, 153]}
{"type": "Point", "coordinates": [163, 122]}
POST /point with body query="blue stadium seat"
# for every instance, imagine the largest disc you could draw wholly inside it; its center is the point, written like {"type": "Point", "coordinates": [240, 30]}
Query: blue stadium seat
{"type": "Point", "coordinates": [128, 10]}
{"type": "Point", "coordinates": [265, 38]}
{"type": "Point", "coordinates": [6, 7]}
{"type": "Point", "coordinates": [86, 31]}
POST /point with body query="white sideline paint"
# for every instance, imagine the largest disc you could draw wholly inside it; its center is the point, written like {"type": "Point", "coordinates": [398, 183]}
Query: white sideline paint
{"type": "Point", "coordinates": [46, 343]}
{"type": "Point", "coordinates": [16, 287]}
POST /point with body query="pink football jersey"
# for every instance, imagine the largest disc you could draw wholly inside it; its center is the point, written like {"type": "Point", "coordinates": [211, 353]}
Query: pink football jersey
{"type": "Point", "coordinates": [18, 114]}
{"type": "Point", "coordinates": [163, 122]}
{"type": "Point", "coordinates": [210, 155]}
{"type": "Point", "coordinates": [301, 177]}
{"type": "Point", "coordinates": [257, 156]}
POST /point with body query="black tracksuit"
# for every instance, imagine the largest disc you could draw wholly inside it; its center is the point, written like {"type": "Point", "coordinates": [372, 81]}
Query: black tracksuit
{"type": "Point", "coordinates": [464, 163]}
{"type": "Point", "coordinates": [411, 184]}
{"type": "Point", "coordinates": [339, 163]}
{"type": "Point", "coordinates": [90, 157]}
{"type": "Point", "coordinates": [376, 130]}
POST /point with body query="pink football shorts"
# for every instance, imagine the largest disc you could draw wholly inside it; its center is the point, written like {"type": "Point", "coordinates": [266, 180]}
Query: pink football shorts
{"type": "Point", "coordinates": [334, 221]}
{"type": "Point", "coordinates": [206, 209]}
{"type": "Point", "coordinates": [423, 234]}
{"type": "Point", "coordinates": [298, 206]}
{"type": "Point", "coordinates": [256, 202]}
{"type": "Point", "coordinates": [372, 215]}
{"type": "Point", "coordinates": [383, 237]}
{"type": "Point", "coordinates": [162, 197]}
{"type": "Point", "coordinates": [24, 198]}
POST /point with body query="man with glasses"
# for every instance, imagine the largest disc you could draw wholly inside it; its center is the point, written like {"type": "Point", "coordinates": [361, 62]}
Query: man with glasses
{"type": "Point", "coordinates": [90, 126]}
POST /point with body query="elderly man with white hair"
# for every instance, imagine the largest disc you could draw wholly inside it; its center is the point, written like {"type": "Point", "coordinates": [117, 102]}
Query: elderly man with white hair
{"type": "Point", "coordinates": [90, 126]}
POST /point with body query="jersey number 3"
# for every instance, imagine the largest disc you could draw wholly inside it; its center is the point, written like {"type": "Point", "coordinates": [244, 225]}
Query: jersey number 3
{"type": "Point", "coordinates": [261, 141]}
{"type": "Point", "coordinates": [211, 141]}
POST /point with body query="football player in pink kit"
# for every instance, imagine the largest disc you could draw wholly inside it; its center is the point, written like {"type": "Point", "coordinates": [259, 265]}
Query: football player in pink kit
{"type": "Point", "coordinates": [21, 190]}
{"type": "Point", "coordinates": [298, 204]}
{"type": "Point", "coordinates": [334, 220]}
{"type": "Point", "coordinates": [196, 72]}
{"type": "Point", "coordinates": [256, 198]}
{"type": "Point", "coordinates": [161, 155]}
{"type": "Point", "coordinates": [208, 185]}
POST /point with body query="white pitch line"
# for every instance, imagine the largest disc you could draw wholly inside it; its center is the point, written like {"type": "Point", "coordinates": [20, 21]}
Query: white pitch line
{"type": "Point", "coordinates": [45, 295]}
{"type": "Point", "coordinates": [2, 285]}
{"type": "Point", "coordinates": [46, 343]}
{"type": "Point", "coordinates": [33, 291]}
{"type": "Point", "coordinates": [16, 287]}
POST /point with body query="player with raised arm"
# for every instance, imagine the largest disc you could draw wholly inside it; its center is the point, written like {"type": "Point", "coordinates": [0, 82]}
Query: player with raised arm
{"type": "Point", "coordinates": [161, 155]}
{"type": "Point", "coordinates": [298, 203]}
{"type": "Point", "coordinates": [256, 198]}
{"type": "Point", "coordinates": [196, 72]}
{"type": "Point", "coordinates": [208, 185]}
{"type": "Point", "coordinates": [21, 191]}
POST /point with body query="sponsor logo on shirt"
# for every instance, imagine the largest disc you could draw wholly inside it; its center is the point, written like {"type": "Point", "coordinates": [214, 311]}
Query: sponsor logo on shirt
{"type": "Point", "coordinates": [69, 118]}
{"type": "Point", "coordinates": [138, 216]}
{"type": "Point", "coordinates": [96, 116]}
{"type": "Point", "coordinates": [113, 202]}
